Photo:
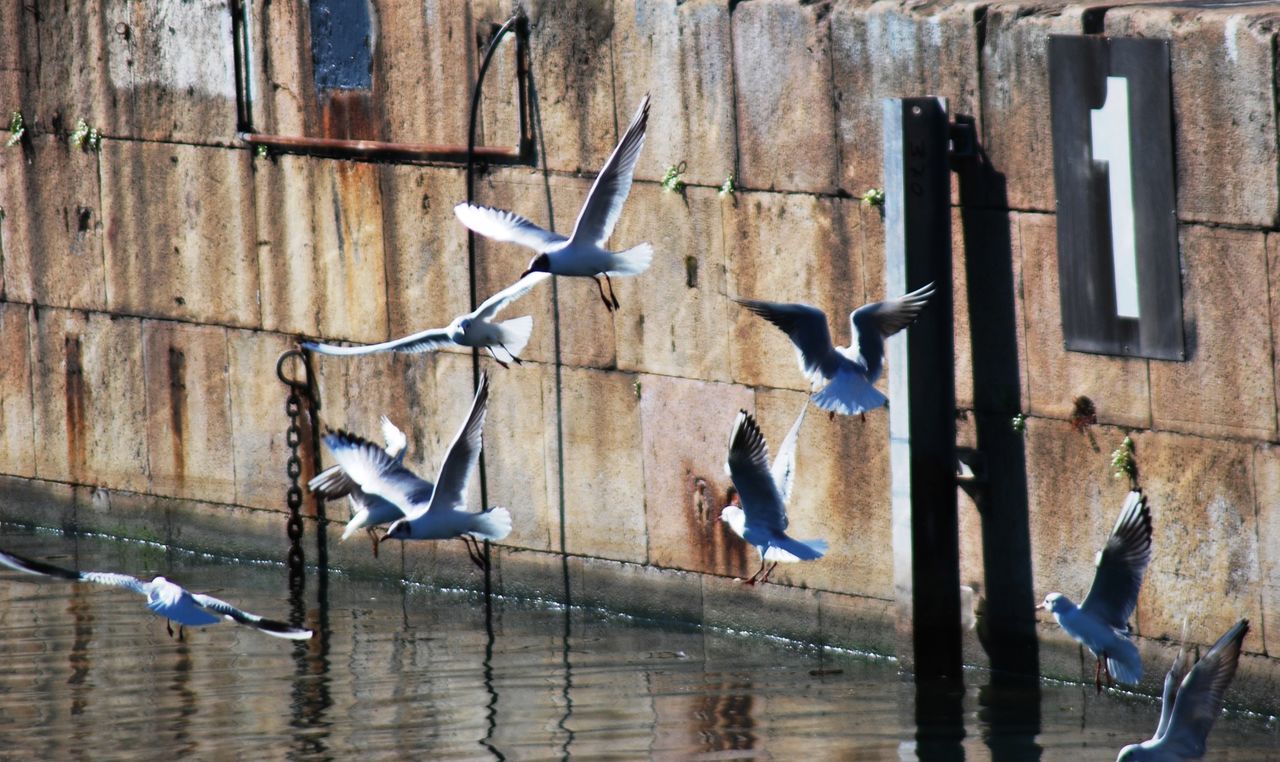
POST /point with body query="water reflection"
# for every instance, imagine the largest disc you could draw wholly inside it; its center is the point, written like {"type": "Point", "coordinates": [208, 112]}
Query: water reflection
{"type": "Point", "coordinates": [400, 671]}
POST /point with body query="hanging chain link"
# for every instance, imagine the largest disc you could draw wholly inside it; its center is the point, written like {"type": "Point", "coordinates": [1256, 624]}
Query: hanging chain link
{"type": "Point", "coordinates": [293, 408]}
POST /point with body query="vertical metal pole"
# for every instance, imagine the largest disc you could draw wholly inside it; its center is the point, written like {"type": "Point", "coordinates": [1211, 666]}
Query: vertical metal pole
{"type": "Point", "coordinates": [922, 389]}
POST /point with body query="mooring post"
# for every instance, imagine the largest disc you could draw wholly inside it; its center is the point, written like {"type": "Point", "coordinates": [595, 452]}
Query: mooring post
{"type": "Point", "coordinates": [922, 428]}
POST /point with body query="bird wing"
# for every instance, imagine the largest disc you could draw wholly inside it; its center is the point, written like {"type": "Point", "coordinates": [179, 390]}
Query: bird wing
{"type": "Point", "coordinates": [784, 463]}
{"type": "Point", "coordinates": [455, 471]}
{"type": "Point", "coordinates": [609, 192]}
{"type": "Point", "coordinates": [891, 315]}
{"type": "Point", "coordinates": [1201, 695]}
{"type": "Point", "coordinates": [1169, 696]}
{"type": "Point", "coordinates": [749, 468]}
{"type": "Point", "coordinates": [491, 306]}
{"type": "Point", "coordinates": [501, 225]}
{"type": "Point", "coordinates": [332, 483]}
{"type": "Point", "coordinates": [268, 626]}
{"type": "Point", "coordinates": [377, 473]}
{"type": "Point", "coordinates": [1121, 564]}
{"type": "Point", "coordinates": [423, 341]}
{"type": "Point", "coordinates": [393, 438]}
{"type": "Point", "coordinates": [805, 325]}
{"type": "Point", "coordinates": [31, 566]}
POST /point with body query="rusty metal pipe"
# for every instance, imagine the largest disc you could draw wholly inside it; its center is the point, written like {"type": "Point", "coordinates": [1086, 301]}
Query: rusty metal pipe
{"type": "Point", "coordinates": [378, 148]}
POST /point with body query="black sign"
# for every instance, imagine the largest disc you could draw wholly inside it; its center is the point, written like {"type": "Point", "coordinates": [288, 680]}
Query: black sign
{"type": "Point", "coordinates": [1118, 267]}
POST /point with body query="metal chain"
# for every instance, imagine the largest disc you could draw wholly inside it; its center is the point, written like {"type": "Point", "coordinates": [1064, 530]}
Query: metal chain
{"type": "Point", "coordinates": [298, 391]}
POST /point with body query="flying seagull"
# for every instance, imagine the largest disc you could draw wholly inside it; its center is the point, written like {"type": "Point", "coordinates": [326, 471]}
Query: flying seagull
{"type": "Point", "coordinates": [1192, 700]}
{"type": "Point", "coordinates": [474, 329]}
{"type": "Point", "coordinates": [582, 254]}
{"type": "Point", "coordinates": [429, 514]}
{"type": "Point", "coordinates": [783, 474]}
{"type": "Point", "coordinates": [369, 511]}
{"type": "Point", "coordinates": [1101, 623]}
{"type": "Point", "coordinates": [761, 490]}
{"type": "Point", "coordinates": [165, 598]}
{"type": "Point", "coordinates": [848, 372]}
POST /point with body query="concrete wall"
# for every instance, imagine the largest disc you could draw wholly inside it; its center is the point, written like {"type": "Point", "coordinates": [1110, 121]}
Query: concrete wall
{"type": "Point", "coordinates": [148, 289]}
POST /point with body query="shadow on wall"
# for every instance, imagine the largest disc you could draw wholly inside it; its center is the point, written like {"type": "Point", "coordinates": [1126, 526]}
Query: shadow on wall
{"type": "Point", "coordinates": [1008, 628]}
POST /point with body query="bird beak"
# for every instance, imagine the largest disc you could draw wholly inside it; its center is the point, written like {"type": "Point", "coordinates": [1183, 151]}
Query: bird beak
{"type": "Point", "coordinates": [526, 272]}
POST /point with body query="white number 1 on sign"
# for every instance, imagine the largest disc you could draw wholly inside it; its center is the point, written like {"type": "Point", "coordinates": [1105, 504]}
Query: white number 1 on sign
{"type": "Point", "coordinates": [1110, 128]}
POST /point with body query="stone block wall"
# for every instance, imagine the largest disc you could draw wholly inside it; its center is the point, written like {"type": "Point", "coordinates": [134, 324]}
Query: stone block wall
{"type": "Point", "coordinates": [148, 288]}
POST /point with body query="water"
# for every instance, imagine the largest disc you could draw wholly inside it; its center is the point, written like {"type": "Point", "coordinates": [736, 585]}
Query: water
{"type": "Point", "coordinates": [403, 671]}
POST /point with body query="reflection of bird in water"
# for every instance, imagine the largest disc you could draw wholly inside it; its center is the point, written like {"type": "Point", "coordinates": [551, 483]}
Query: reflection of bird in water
{"type": "Point", "coordinates": [1101, 623]}
{"type": "Point", "coordinates": [1191, 701]}
{"type": "Point", "coordinates": [165, 598]}
{"type": "Point", "coordinates": [726, 717]}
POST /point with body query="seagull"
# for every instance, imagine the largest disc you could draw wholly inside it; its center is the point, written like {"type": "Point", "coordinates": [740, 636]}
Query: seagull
{"type": "Point", "coordinates": [1190, 704]}
{"type": "Point", "coordinates": [369, 511]}
{"type": "Point", "coordinates": [474, 329]}
{"type": "Point", "coordinates": [429, 514]}
{"type": "Point", "coordinates": [582, 254]}
{"type": "Point", "coordinates": [165, 598]}
{"type": "Point", "coordinates": [1101, 623]}
{"type": "Point", "coordinates": [851, 371]}
{"type": "Point", "coordinates": [762, 519]}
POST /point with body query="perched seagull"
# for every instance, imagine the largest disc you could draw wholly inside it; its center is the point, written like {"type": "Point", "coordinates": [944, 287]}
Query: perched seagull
{"type": "Point", "coordinates": [165, 598]}
{"type": "Point", "coordinates": [762, 519]}
{"type": "Point", "coordinates": [475, 329]}
{"type": "Point", "coordinates": [1190, 704]}
{"type": "Point", "coordinates": [429, 514]}
{"type": "Point", "coordinates": [582, 254]}
{"type": "Point", "coordinates": [1101, 623]}
{"type": "Point", "coordinates": [369, 511]}
{"type": "Point", "coordinates": [848, 372]}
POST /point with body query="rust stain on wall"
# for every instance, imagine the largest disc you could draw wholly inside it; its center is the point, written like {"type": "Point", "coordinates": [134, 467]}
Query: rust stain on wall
{"type": "Point", "coordinates": [177, 412]}
{"type": "Point", "coordinates": [75, 393]}
{"type": "Point", "coordinates": [711, 540]}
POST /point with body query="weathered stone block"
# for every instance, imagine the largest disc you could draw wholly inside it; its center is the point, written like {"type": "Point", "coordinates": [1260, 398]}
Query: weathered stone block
{"type": "Point", "coordinates": [321, 250]}
{"type": "Point", "coordinates": [191, 258]}
{"type": "Point", "coordinates": [52, 225]}
{"type": "Point", "coordinates": [1266, 470]}
{"type": "Point", "coordinates": [499, 123]}
{"type": "Point", "coordinates": [841, 495]}
{"type": "Point", "coordinates": [571, 62]}
{"type": "Point", "coordinates": [282, 70]}
{"type": "Point", "coordinates": [675, 319]}
{"type": "Point", "coordinates": [37, 502]}
{"type": "Point", "coordinates": [1016, 131]}
{"type": "Point", "coordinates": [188, 411]}
{"type": "Point", "coordinates": [789, 248]}
{"type": "Point", "coordinates": [91, 410]}
{"type": "Point", "coordinates": [599, 461]}
{"type": "Point", "coordinates": [531, 574]}
{"type": "Point", "coordinates": [17, 442]}
{"type": "Point", "coordinates": [664, 595]}
{"type": "Point", "coordinates": [423, 73]}
{"type": "Point", "coordinates": [426, 248]}
{"type": "Point", "coordinates": [896, 50]}
{"type": "Point", "coordinates": [122, 514]}
{"type": "Point", "coordinates": [516, 430]}
{"type": "Point", "coordinates": [1225, 387]}
{"type": "Point", "coordinates": [1057, 377]}
{"type": "Point", "coordinates": [1205, 564]}
{"type": "Point", "coordinates": [11, 20]}
{"type": "Point", "coordinates": [686, 426]}
{"type": "Point", "coordinates": [63, 49]}
{"type": "Point", "coordinates": [1072, 502]}
{"type": "Point", "coordinates": [586, 328]}
{"type": "Point", "coordinates": [258, 420]}
{"type": "Point", "coordinates": [785, 110]}
{"type": "Point", "coordinates": [857, 623]}
{"type": "Point", "coordinates": [170, 69]}
{"type": "Point", "coordinates": [793, 612]}
{"type": "Point", "coordinates": [1236, 127]}
{"type": "Point", "coordinates": [681, 52]}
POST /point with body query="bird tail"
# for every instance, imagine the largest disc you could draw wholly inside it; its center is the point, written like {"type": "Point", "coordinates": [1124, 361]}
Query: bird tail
{"type": "Point", "coordinates": [515, 334]}
{"type": "Point", "coordinates": [491, 524]}
{"type": "Point", "coordinates": [633, 261]}
{"type": "Point", "coordinates": [849, 394]}
{"type": "Point", "coordinates": [797, 550]}
{"type": "Point", "coordinates": [355, 524]}
{"type": "Point", "coordinates": [1125, 664]}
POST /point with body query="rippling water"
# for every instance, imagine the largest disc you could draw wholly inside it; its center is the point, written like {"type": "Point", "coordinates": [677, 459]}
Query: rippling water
{"type": "Point", "coordinates": [402, 671]}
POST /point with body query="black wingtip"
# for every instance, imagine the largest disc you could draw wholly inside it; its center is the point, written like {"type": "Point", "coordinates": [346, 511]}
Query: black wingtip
{"type": "Point", "coordinates": [31, 566]}
{"type": "Point", "coordinates": [282, 630]}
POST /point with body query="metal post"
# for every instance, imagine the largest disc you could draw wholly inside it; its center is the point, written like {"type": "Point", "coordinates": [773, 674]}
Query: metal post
{"type": "Point", "coordinates": [922, 389]}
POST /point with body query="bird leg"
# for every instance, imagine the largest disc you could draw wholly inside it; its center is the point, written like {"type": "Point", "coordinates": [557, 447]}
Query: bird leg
{"type": "Point", "coordinates": [612, 295]}
{"type": "Point", "coordinates": [765, 578]}
{"type": "Point", "coordinates": [1106, 671]}
{"type": "Point", "coordinates": [476, 554]}
{"type": "Point", "coordinates": [863, 416]}
{"type": "Point", "coordinates": [373, 535]}
{"type": "Point", "coordinates": [181, 631]}
{"type": "Point", "coordinates": [607, 304]}
{"type": "Point", "coordinates": [517, 360]}
{"type": "Point", "coordinates": [494, 355]}
{"type": "Point", "coordinates": [1097, 676]}
{"type": "Point", "coordinates": [169, 626]}
{"type": "Point", "coordinates": [755, 577]}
